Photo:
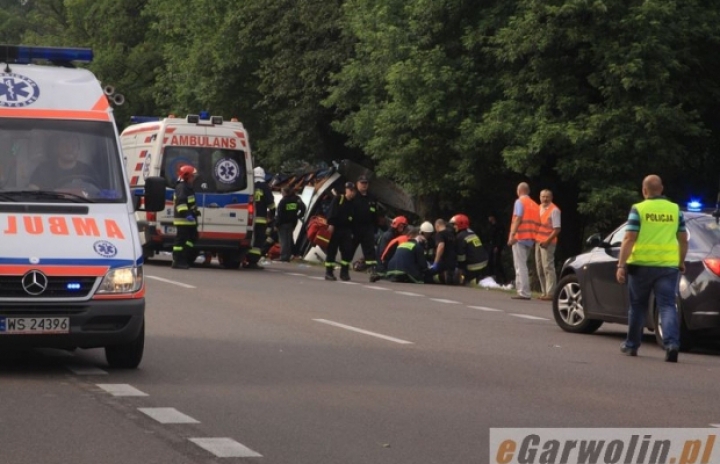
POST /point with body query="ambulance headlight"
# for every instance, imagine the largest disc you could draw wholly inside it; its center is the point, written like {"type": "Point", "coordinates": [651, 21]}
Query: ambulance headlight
{"type": "Point", "coordinates": [122, 280]}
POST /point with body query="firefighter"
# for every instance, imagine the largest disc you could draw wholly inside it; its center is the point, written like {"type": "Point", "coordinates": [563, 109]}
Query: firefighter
{"type": "Point", "coordinates": [185, 218]}
{"type": "Point", "coordinates": [471, 255]}
{"type": "Point", "coordinates": [340, 223]}
{"type": "Point", "coordinates": [364, 222]}
{"type": "Point", "coordinates": [397, 227]}
{"type": "Point", "coordinates": [444, 267]}
{"type": "Point", "coordinates": [427, 240]}
{"type": "Point", "coordinates": [290, 210]}
{"type": "Point", "coordinates": [408, 264]}
{"type": "Point", "coordinates": [264, 213]}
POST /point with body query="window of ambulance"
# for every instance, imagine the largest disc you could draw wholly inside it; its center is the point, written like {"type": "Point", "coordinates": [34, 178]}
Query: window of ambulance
{"type": "Point", "coordinates": [45, 160]}
{"type": "Point", "coordinates": [219, 170]}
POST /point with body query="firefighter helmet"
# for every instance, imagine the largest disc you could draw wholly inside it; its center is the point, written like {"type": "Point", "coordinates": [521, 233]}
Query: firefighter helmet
{"type": "Point", "coordinates": [461, 221]}
{"type": "Point", "coordinates": [259, 173]}
{"type": "Point", "coordinates": [185, 172]}
{"type": "Point", "coordinates": [399, 221]}
{"type": "Point", "coordinates": [427, 228]}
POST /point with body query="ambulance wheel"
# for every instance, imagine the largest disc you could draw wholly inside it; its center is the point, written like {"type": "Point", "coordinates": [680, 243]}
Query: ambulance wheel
{"type": "Point", "coordinates": [127, 355]}
{"type": "Point", "coordinates": [229, 259]}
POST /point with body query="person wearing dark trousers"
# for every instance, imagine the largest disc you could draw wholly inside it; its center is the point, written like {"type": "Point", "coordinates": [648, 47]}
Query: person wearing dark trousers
{"type": "Point", "coordinates": [365, 222]}
{"type": "Point", "coordinates": [497, 238]}
{"type": "Point", "coordinates": [264, 214]}
{"type": "Point", "coordinates": [289, 210]}
{"type": "Point", "coordinates": [471, 255]}
{"type": "Point", "coordinates": [408, 264]}
{"type": "Point", "coordinates": [340, 219]}
{"type": "Point", "coordinates": [444, 267]}
{"type": "Point", "coordinates": [184, 218]}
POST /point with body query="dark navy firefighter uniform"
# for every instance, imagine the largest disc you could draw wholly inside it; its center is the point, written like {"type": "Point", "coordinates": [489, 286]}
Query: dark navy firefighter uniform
{"type": "Point", "coordinates": [185, 221]}
{"type": "Point", "coordinates": [341, 218]}
{"type": "Point", "coordinates": [264, 212]}
{"type": "Point", "coordinates": [364, 223]}
{"type": "Point", "coordinates": [408, 264]}
{"type": "Point", "coordinates": [289, 211]}
{"type": "Point", "coordinates": [471, 255]}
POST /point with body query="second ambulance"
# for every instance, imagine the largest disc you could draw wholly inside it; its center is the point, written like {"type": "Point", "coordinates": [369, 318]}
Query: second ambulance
{"type": "Point", "coordinates": [220, 151]}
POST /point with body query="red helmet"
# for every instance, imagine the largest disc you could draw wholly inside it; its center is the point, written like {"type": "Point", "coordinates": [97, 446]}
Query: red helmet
{"type": "Point", "coordinates": [399, 221]}
{"type": "Point", "coordinates": [461, 221]}
{"type": "Point", "coordinates": [186, 171]}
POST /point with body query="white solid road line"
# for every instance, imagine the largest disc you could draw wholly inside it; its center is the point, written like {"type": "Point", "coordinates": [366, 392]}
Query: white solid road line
{"type": "Point", "coordinates": [408, 293]}
{"type": "Point", "coordinates": [442, 300]}
{"type": "Point", "coordinates": [85, 370]}
{"type": "Point", "coordinates": [373, 287]}
{"type": "Point", "coordinates": [365, 332]}
{"type": "Point", "coordinates": [485, 308]}
{"type": "Point", "coordinates": [225, 448]}
{"type": "Point", "coordinates": [168, 281]}
{"type": "Point", "coordinates": [168, 416]}
{"type": "Point", "coordinates": [525, 316]}
{"type": "Point", "coordinates": [121, 389]}
{"type": "Point", "coordinates": [715, 425]}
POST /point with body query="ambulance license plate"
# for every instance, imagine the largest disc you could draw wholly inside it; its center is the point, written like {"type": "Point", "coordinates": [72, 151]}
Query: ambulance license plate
{"type": "Point", "coordinates": [170, 230]}
{"type": "Point", "coordinates": [34, 325]}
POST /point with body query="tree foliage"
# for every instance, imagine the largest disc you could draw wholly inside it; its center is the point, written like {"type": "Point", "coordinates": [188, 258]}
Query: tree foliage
{"type": "Point", "coordinates": [457, 100]}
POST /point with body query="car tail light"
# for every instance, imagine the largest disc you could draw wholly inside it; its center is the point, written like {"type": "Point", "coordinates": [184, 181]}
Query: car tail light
{"type": "Point", "coordinates": [151, 216]}
{"type": "Point", "coordinates": [251, 212]}
{"type": "Point", "coordinates": [713, 264]}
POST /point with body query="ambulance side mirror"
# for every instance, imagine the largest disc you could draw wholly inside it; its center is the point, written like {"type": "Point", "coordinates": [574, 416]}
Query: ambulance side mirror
{"type": "Point", "coordinates": [154, 194]}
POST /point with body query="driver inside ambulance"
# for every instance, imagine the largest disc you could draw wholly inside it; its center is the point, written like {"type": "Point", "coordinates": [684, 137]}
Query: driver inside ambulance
{"type": "Point", "coordinates": [62, 167]}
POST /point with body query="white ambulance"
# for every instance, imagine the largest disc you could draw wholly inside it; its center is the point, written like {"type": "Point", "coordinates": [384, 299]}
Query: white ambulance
{"type": "Point", "coordinates": [224, 188]}
{"type": "Point", "coordinates": [71, 267]}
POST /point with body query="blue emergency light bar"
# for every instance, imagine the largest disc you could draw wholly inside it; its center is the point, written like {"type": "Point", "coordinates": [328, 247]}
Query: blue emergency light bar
{"type": "Point", "coordinates": [24, 54]}
{"type": "Point", "coordinates": [141, 119]}
{"type": "Point", "coordinates": [204, 115]}
{"type": "Point", "coordinates": [694, 206]}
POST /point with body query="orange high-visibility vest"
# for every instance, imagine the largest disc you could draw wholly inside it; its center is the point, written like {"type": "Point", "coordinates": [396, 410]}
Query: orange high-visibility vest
{"type": "Point", "coordinates": [530, 219]}
{"type": "Point", "coordinates": [545, 229]}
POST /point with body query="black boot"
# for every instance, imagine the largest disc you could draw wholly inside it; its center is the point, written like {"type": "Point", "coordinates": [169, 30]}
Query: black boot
{"type": "Point", "coordinates": [179, 260]}
{"type": "Point", "coordinates": [329, 275]}
{"type": "Point", "coordinates": [345, 272]}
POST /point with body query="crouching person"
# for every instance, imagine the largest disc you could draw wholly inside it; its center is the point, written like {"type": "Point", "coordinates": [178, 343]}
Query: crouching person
{"type": "Point", "coordinates": [408, 264]}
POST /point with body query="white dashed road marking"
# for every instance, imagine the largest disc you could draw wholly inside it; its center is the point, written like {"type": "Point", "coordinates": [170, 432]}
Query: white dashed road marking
{"type": "Point", "coordinates": [316, 278]}
{"type": "Point", "coordinates": [349, 283]}
{"type": "Point", "coordinates": [485, 308]}
{"type": "Point", "coordinates": [295, 274]}
{"type": "Point", "coordinates": [408, 293]}
{"type": "Point", "coordinates": [168, 416]}
{"type": "Point", "coordinates": [373, 287]}
{"type": "Point", "coordinates": [525, 316]}
{"type": "Point", "coordinates": [121, 389]}
{"type": "Point", "coordinates": [85, 370]}
{"type": "Point", "coordinates": [225, 448]}
{"type": "Point", "coordinates": [441, 300]}
{"type": "Point", "coordinates": [365, 332]}
{"type": "Point", "coordinates": [168, 281]}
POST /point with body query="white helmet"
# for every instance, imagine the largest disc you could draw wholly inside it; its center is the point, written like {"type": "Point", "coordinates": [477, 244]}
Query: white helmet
{"type": "Point", "coordinates": [427, 228]}
{"type": "Point", "coordinates": [259, 173]}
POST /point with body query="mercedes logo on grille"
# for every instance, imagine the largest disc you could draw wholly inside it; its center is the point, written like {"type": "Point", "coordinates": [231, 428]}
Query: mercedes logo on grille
{"type": "Point", "coordinates": [34, 283]}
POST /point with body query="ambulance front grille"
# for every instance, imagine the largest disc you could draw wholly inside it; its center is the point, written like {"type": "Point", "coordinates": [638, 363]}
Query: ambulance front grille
{"type": "Point", "coordinates": [57, 287]}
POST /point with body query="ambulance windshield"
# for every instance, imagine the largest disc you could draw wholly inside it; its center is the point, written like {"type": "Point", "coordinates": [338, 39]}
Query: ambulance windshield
{"type": "Point", "coordinates": [77, 158]}
{"type": "Point", "coordinates": [219, 170]}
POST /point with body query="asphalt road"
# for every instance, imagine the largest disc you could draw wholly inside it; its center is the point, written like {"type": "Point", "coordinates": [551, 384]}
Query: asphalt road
{"type": "Point", "coordinates": [280, 366]}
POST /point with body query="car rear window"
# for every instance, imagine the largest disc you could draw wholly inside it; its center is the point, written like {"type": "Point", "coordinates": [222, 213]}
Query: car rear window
{"type": "Point", "coordinates": [703, 232]}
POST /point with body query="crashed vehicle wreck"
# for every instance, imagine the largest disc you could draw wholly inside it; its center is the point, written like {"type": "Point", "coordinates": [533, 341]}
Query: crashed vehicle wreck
{"type": "Point", "coordinates": [317, 185]}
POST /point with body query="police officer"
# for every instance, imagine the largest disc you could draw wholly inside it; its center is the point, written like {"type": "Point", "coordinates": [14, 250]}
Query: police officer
{"type": "Point", "coordinates": [652, 257]}
{"type": "Point", "coordinates": [289, 210]}
{"type": "Point", "coordinates": [184, 218]}
{"type": "Point", "coordinates": [471, 255]}
{"type": "Point", "coordinates": [340, 220]}
{"type": "Point", "coordinates": [264, 213]}
{"type": "Point", "coordinates": [364, 223]}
